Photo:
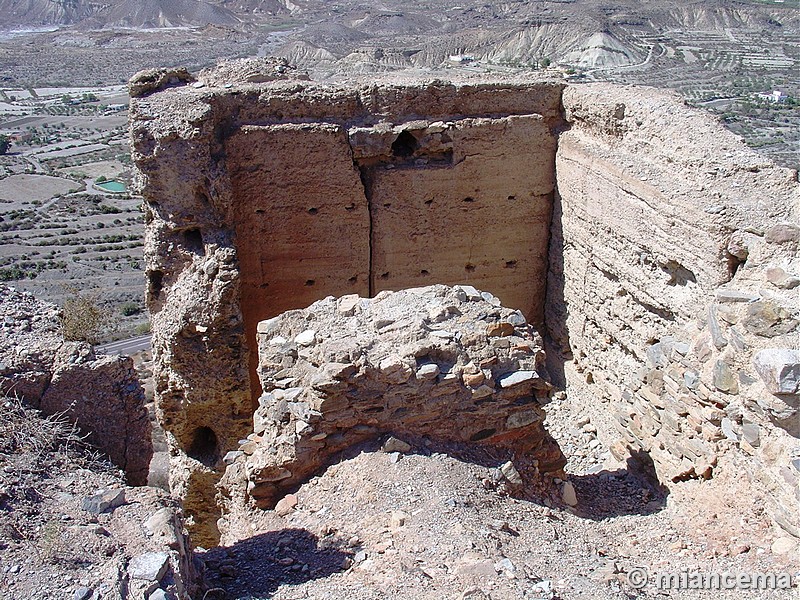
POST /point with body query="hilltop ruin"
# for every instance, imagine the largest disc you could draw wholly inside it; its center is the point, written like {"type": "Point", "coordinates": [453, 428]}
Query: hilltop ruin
{"type": "Point", "coordinates": [656, 253]}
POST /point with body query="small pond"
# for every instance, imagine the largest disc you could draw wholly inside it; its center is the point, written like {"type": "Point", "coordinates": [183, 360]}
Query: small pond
{"type": "Point", "coordinates": [111, 186]}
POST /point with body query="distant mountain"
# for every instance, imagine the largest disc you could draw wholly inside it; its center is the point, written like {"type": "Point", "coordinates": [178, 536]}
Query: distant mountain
{"type": "Point", "coordinates": [16, 14]}
{"type": "Point", "coordinates": [397, 18]}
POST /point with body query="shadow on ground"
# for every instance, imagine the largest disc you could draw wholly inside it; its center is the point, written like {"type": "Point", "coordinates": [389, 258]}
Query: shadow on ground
{"type": "Point", "coordinates": [257, 566]}
{"type": "Point", "coordinates": [634, 490]}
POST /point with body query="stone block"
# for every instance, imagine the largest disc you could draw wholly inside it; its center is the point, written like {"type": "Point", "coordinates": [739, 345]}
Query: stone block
{"type": "Point", "coordinates": [779, 368]}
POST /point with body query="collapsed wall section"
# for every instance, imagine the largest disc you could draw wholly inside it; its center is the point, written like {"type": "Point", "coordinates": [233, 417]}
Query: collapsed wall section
{"type": "Point", "coordinates": [100, 394]}
{"type": "Point", "coordinates": [444, 365]}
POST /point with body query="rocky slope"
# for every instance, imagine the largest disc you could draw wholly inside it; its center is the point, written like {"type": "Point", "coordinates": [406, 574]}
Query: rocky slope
{"type": "Point", "coordinates": [101, 394]}
{"type": "Point", "coordinates": [69, 525]}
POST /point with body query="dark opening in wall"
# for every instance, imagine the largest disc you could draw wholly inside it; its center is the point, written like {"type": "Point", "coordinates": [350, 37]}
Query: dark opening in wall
{"type": "Point", "coordinates": [193, 241]}
{"type": "Point", "coordinates": [734, 262]}
{"type": "Point", "coordinates": [678, 274]}
{"type": "Point", "coordinates": [204, 447]}
{"type": "Point", "coordinates": [405, 145]}
{"type": "Point", "coordinates": [156, 283]}
{"type": "Point", "coordinates": [482, 435]}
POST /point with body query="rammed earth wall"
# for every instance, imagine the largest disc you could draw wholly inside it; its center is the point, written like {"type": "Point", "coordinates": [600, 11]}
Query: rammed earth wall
{"type": "Point", "coordinates": [635, 232]}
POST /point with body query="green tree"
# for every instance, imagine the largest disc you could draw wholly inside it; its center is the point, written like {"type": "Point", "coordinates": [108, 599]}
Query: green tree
{"type": "Point", "coordinates": [128, 309]}
{"type": "Point", "coordinates": [545, 62]}
{"type": "Point", "coordinates": [5, 143]}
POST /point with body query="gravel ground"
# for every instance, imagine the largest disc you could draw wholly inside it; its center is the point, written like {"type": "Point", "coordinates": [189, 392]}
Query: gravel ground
{"type": "Point", "coordinates": [427, 525]}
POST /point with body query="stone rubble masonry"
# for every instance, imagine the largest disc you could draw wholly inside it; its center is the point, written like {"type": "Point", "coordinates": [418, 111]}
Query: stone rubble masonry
{"type": "Point", "coordinates": [101, 394]}
{"type": "Point", "coordinates": [610, 216]}
{"type": "Point", "coordinates": [669, 293]}
{"type": "Point", "coordinates": [430, 363]}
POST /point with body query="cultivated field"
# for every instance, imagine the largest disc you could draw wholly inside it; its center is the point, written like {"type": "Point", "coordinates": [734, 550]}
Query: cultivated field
{"type": "Point", "coordinates": [63, 230]}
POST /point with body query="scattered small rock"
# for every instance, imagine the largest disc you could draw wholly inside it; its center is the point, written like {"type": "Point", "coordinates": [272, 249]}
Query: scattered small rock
{"type": "Point", "coordinates": [286, 505]}
{"type": "Point", "coordinates": [104, 501]}
{"type": "Point", "coordinates": [510, 472]}
{"type": "Point", "coordinates": [395, 445]}
{"type": "Point", "coordinates": [83, 593]}
{"type": "Point", "coordinates": [568, 494]}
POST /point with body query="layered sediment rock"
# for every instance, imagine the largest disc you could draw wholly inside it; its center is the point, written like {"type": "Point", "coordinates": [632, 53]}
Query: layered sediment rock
{"type": "Point", "coordinates": [448, 365]}
{"type": "Point", "coordinates": [669, 296]}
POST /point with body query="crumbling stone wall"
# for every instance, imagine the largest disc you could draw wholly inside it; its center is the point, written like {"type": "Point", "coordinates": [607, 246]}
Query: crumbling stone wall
{"type": "Point", "coordinates": [672, 294]}
{"type": "Point", "coordinates": [624, 223]}
{"type": "Point", "coordinates": [448, 365]}
{"type": "Point", "coordinates": [100, 394]}
{"type": "Point", "coordinates": [282, 193]}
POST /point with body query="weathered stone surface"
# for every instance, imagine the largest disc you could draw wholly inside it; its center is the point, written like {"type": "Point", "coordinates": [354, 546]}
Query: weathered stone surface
{"type": "Point", "coordinates": [250, 70]}
{"type": "Point", "coordinates": [100, 394]}
{"type": "Point", "coordinates": [638, 230]}
{"type": "Point", "coordinates": [469, 178]}
{"type": "Point", "coordinates": [780, 369]}
{"type": "Point", "coordinates": [380, 394]}
{"type": "Point", "coordinates": [568, 494]}
{"type": "Point", "coordinates": [286, 505]}
{"type": "Point", "coordinates": [268, 196]}
{"type": "Point", "coordinates": [394, 445]}
{"type": "Point", "coordinates": [318, 184]}
{"type": "Point", "coordinates": [103, 396]}
{"type": "Point", "coordinates": [724, 379]}
{"type": "Point", "coordinates": [736, 296]}
{"type": "Point", "coordinates": [769, 319]}
{"type": "Point", "coordinates": [783, 233]}
{"type": "Point", "coordinates": [28, 342]}
{"type": "Point", "coordinates": [151, 566]}
{"type": "Point", "coordinates": [103, 501]}
{"type": "Point", "coordinates": [781, 279]}
{"type": "Point", "coordinates": [151, 80]}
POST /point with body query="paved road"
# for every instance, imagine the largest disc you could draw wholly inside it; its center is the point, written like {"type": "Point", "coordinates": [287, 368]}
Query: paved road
{"type": "Point", "coordinates": [126, 347]}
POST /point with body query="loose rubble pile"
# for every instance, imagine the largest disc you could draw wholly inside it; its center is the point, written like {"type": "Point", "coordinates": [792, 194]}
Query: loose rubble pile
{"type": "Point", "coordinates": [447, 365]}
{"type": "Point", "coordinates": [425, 525]}
{"type": "Point", "coordinates": [101, 394]}
{"type": "Point", "coordinates": [71, 528]}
